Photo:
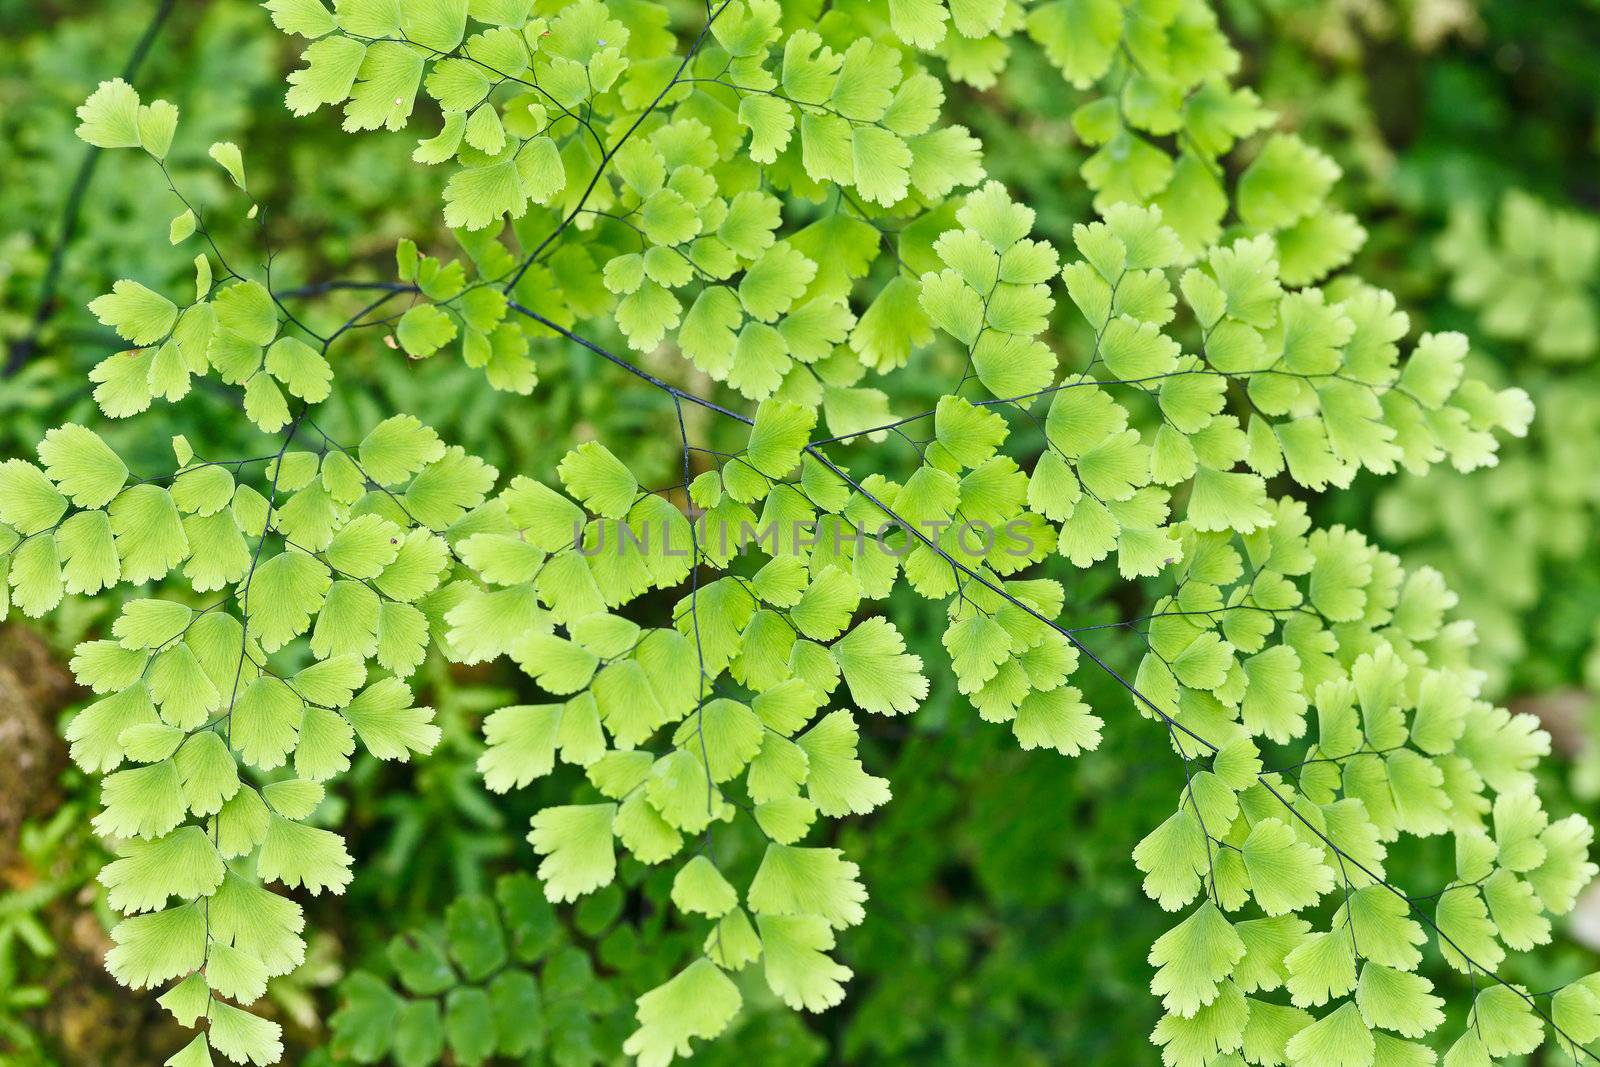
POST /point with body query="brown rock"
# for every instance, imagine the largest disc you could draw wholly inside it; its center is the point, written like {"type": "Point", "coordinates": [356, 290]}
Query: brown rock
{"type": "Point", "coordinates": [34, 687]}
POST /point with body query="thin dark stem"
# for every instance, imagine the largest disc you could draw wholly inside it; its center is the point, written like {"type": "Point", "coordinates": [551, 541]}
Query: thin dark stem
{"type": "Point", "coordinates": [605, 160]}
{"type": "Point", "coordinates": [23, 349]}
{"type": "Point", "coordinates": [671, 390]}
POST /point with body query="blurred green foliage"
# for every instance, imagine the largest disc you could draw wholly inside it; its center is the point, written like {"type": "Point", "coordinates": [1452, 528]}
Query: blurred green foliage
{"type": "Point", "coordinates": [1008, 925]}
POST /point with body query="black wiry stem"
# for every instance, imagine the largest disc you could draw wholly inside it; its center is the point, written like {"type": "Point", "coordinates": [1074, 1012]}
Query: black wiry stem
{"type": "Point", "coordinates": [23, 349]}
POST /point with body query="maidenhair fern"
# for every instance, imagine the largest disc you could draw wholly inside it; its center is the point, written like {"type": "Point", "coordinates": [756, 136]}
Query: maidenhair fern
{"type": "Point", "coordinates": [1528, 275]}
{"type": "Point", "coordinates": [770, 191]}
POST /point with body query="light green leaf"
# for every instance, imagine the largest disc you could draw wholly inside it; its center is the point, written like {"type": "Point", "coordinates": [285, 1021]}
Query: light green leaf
{"type": "Point", "coordinates": [698, 1002]}
{"type": "Point", "coordinates": [576, 843]}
